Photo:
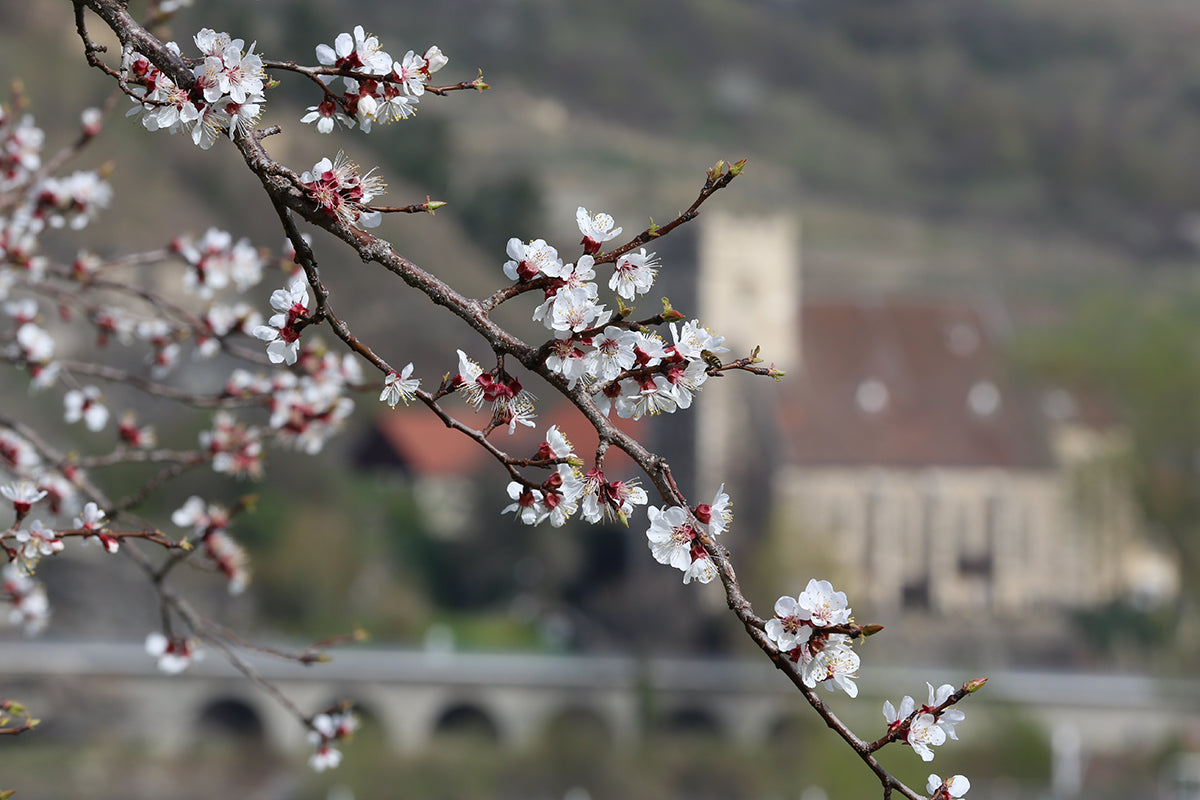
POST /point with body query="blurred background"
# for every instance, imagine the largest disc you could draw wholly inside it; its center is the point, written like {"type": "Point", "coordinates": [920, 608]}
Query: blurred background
{"type": "Point", "coordinates": [969, 231]}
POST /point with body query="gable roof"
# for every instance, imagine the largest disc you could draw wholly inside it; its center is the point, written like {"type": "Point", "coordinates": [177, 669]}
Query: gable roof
{"type": "Point", "coordinates": [908, 383]}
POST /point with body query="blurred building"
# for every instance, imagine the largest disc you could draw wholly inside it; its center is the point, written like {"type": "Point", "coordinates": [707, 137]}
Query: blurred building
{"type": "Point", "coordinates": [900, 455]}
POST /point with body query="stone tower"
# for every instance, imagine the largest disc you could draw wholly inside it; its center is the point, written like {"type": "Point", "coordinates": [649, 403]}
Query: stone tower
{"type": "Point", "coordinates": [749, 292]}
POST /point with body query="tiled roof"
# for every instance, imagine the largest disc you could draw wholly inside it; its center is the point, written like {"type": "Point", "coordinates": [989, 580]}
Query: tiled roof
{"type": "Point", "coordinates": [903, 383]}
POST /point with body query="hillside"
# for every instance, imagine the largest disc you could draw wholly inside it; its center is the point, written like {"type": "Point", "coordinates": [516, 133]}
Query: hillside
{"type": "Point", "coordinates": [1045, 114]}
{"type": "Point", "coordinates": [1004, 146]}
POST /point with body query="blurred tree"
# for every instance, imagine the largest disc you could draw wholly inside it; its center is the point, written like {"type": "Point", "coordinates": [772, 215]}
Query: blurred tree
{"type": "Point", "coordinates": [1142, 354]}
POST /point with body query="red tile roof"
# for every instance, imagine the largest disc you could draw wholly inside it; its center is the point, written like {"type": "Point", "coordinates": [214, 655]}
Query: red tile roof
{"type": "Point", "coordinates": [902, 383]}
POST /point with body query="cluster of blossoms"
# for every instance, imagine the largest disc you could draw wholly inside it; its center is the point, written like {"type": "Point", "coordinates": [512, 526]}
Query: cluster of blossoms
{"type": "Point", "coordinates": [338, 190]}
{"type": "Point", "coordinates": [174, 654]}
{"type": "Point", "coordinates": [619, 363]}
{"type": "Point", "coordinates": [623, 365]}
{"type": "Point", "coordinates": [376, 88]}
{"type": "Point", "coordinates": [33, 542]}
{"type": "Point", "coordinates": [72, 201]}
{"type": "Point", "coordinates": [26, 597]}
{"type": "Point", "coordinates": [928, 726]}
{"type": "Point", "coordinates": [234, 447]}
{"type": "Point", "coordinates": [610, 500]}
{"type": "Point", "coordinates": [676, 537]}
{"type": "Point", "coordinates": [209, 522]}
{"type": "Point", "coordinates": [227, 93]}
{"type": "Point", "coordinates": [810, 627]}
{"type": "Point", "coordinates": [558, 496]}
{"type": "Point", "coordinates": [326, 729]}
{"type": "Point", "coordinates": [306, 403]}
{"type": "Point", "coordinates": [21, 459]}
{"type": "Point", "coordinates": [28, 540]}
{"type": "Point", "coordinates": [32, 345]}
{"type": "Point", "coordinates": [39, 201]}
{"type": "Point", "coordinates": [20, 150]}
{"type": "Point", "coordinates": [308, 406]}
{"type": "Point", "coordinates": [800, 628]}
{"type": "Point", "coordinates": [510, 404]}
{"type": "Point", "coordinates": [215, 261]}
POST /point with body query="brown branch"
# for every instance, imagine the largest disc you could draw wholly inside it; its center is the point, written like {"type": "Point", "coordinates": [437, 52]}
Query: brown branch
{"type": "Point", "coordinates": [154, 536]}
{"type": "Point", "coordinates": [9, 709]}
{"type": "Point", "coordinates": [282, 186]}
{"type": "Point", "coordinates": [132, 37]}
{"type": "Point", "coordinates": [428, 207]}
{"type": "Point", "coordinates": [312, 654]}
{"type": "Point", "coordinates": [720, 176]}
{"type": "Point", "coordinates": [170, 473]}
{"type": "Point", "coordinates": [307, 260]}
{"type": "Point", "coordinates": [155, 389]}
{"type": "Point", "coordinates": [712, 185]}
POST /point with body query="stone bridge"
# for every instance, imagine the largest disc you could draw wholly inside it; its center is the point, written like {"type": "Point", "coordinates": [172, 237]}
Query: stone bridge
{"type": "Point", "coordinates": [83, 690]}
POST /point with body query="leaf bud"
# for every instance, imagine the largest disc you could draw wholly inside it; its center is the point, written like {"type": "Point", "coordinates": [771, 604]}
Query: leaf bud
{"type": "Point", "coordinates": [669, 314]}
{"type": "Point", "coordinates": [970, 687]}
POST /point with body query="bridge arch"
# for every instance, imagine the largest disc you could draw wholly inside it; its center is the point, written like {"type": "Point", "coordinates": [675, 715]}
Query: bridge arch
{"type": "Point", "coordinates": [690, 721]}
{"type": "Point", "coordinates": [468, 722]}
{"type": "Point", "coordinates": [229, 721]}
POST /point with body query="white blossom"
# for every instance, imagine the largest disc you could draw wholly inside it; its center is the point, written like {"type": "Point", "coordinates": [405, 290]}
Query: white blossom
{"type": "Point", "coordinates": [399, 386]}
{"type": "Point", "coordinates": [85, 404]}
{"type": "Point", "coordinates": [633, 274]}
{"type": "Point", "coordinates": [596, 229]}
{"type": "Point", "coordinates": [824, 606]}
{"type": "Point", "coordinates": [174, 655]}
{"type": "Point", "coordinates": [953, 787]}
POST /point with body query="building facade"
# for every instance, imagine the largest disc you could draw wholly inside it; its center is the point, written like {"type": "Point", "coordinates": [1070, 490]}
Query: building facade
{"type": "Point", "coordinates": [906, 458]}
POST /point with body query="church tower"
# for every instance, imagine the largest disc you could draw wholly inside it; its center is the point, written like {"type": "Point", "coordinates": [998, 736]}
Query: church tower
{"type": "Point", "coordinates": [749, 292]}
